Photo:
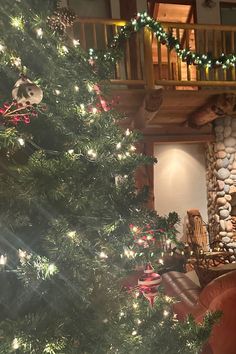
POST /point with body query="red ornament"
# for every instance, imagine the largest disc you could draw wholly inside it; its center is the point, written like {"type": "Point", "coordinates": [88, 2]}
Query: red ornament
{"type": "Point", "coordinates": [148, 283]}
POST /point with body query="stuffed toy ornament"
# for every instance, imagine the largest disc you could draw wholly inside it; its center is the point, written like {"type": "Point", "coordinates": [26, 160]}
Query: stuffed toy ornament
{"type": "Point", "coordinates": [26, 92]}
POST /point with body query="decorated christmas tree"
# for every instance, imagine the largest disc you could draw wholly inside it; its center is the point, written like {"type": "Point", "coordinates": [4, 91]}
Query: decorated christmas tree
{"type": "Point", "coordinates": [72, 222]}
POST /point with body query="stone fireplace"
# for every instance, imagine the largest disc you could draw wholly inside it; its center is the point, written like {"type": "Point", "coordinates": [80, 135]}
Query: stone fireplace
{"type": "Point", "coordinates": [221, 185]}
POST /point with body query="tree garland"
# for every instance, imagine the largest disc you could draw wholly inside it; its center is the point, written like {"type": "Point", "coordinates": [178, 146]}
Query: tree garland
{"type": "Point", "coordinates": [206, 60]}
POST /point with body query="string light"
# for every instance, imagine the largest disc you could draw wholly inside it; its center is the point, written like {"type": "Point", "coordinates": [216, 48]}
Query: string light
{"type": "Point", "coordinates": [71, 234]}
{"type": "Point", "coordinates": [76, 42]}
{"type": "Point", "coordinates": [134, 333]}
{"type": "Point", "coordinates": [16, 61]}
{"type": "Point", "coordinates": [135, 305]}
{"type": "Point", "coordinates": [166, 313]}
{"type": "Point", "coordinates": [94, 110]}
{"type": "Point", "coordinates": [103, 255]}
{"type": "Point", "coordinates": [39, 32]}
{"type": "Point", "coordinates": [17, 22]}
{"type": "Point", "coordinates": [15, 344]}
{"type": "Point", "coordinates": [118, 146]}
{"type": "Point", "coordinates": [21, 141]}
{"type": "Point", "coordinates": [76, 88]}
{"type": "Point", "coordinates": [3, 260]}
{"type": "Point", "coordinates": [132, 148]}
{"type": "Point", "coordinates": [71, 151]}
{"type": "Point", "coordinates": [92, 153]}
{"type": "Point", "coordinates": [127, 132]}
{"type": "Point", "coordinates": [57, 92]}
{"type": "Point", "coordinates": [22, 254]}
{"type": "Point", "coordinates": [2, 48]}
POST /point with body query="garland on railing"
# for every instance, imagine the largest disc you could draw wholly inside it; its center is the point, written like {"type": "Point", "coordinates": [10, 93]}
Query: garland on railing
{"type": "Point", "coordinates": [190, 57]}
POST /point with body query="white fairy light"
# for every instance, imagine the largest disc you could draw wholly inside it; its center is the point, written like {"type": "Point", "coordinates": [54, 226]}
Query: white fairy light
{"type": "Point", "coordinates": [135, 305]}
{"type": "Point", "coordinates": [71, 234]}
{"type": "Point", "coordinates": [22, 254]}
{"type": "Point", "coordinates": [57, 92]}
{"type": "Point", "coordinates": [165, 313]}
{"type": "Point", "coordinates": [90, 87]}
{"type": "Point", "coordinates": [71, 151]}
{"type": "Point", "coordinates": [118, 146]}
{"type": "Point", "coordinates": [2, 48]}
{"type": "Point", "coordinates": [17, 22]}
{"type": "Point", "coordinates": [15, 344]}
{"type": "Point", "coordinates": [103, 255]}
{"type": "Point", "coordinates": [122, 314]}
{"type": "Point", "coordinates": [76, 42]}
{"type": "Point", "coordinates": [132, 148]}
{"type": "Point", "coordinates": [92, 153]}
{"type": "Point", "coordinates": [139, 321]}
{"type": "Point", "coordinates": [39, 32]}
{"type": "Point", "coordinates": [161, 261]}
{"type": "Point", "coordinates": [127, 132]}
{"type": "Point", "coordinates": [3, 260]}
{"type": "Point", "coordinates": [65, 49]}
{"type": "Point", "coordinates": [16, 61]}
{"type": "Point", "coordinates": [94, 110]}
{"type": "Point", "coordinates": [168, 242]}
{"type": "Point", "coordinates": [21, 141]}
{"type": "Point", "coordinates": [134, 333]}
{"type": "Point", "coordinates": [76, 88]}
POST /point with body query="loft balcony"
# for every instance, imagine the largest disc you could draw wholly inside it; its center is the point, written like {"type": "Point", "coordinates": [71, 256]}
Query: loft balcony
{"type": "Point", "coordinates": [146, 62]}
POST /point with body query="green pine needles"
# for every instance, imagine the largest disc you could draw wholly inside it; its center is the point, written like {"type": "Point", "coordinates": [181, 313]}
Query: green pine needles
{"type": "Point", "coordinates": [68, 199]}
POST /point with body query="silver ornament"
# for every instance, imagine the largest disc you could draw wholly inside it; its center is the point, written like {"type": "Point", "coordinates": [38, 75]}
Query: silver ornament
{"type": "Point", "coordinates": [26, 92]}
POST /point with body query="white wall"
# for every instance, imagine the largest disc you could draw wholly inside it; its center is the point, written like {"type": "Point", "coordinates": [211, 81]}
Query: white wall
{"type": "Point", "coordinates": [179, 179]}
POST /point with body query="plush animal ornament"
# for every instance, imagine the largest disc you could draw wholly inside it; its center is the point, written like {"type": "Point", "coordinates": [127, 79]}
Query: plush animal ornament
{"type": "Point", "coordinates": [26, 92]}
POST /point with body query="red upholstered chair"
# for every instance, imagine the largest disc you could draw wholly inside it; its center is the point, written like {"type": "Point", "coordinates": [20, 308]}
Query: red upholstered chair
{"type": "Point", "coordinates": [220, 294]}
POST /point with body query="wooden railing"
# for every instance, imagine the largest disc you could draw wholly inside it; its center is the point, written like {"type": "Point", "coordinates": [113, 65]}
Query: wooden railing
{"type": "Point", "coordinates": [147, 62]}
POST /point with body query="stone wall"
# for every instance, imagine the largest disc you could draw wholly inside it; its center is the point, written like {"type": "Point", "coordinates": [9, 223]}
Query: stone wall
{"type": "Point", "coordinates": [222, 183]}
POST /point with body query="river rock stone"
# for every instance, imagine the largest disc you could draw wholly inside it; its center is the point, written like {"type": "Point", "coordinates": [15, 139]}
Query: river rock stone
{"type": "Point", "coordinates": [219, 146]}
{"type": "Point", "coordinates": [221, 154]}
{"type": "Point", "coordinates": [229, 181]}
{"type": "Point", "coordinates": [223, 234]}
{"type": "Point", "coordinates": [217, 218]}
{"type": "Point", "coordinates": [223, 173]}
{"type": "Point", "coordinates": [230, 150]}
{"type": "Point", "coordinates": [228, 225]}
{"type": "Point", "coordinates": [230, 142]}
{"type": "Point", "coordinates": [219, 129]}
{"type": "Point", "coordinates": [226, 188]}
{"type": "Point", "coordinates": [228, 197]}
{"type": "Point", "coordinates": [222, 225]}
{"type": "Point", "coordinates": [232, 189]}
{"type": "Point", "coordinates": [227, 132]}
{"type": "Point", "coordinates": [221, 184]}
{"type": "Point", "coordinates": [232, 244]}
{"type": "Point", "coordinates": [226, 239]}
{"type": "Point", "coordinates": [220, 194]}
{"type": "Point", "coordinates": [221, 201]}
{"type": "Point", "coordinates": [233, 123]}
{"type": "Point", "coordinates": [224, 213]}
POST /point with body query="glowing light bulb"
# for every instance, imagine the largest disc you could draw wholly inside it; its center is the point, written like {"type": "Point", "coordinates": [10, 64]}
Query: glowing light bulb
{"type": "Point", "coordinates": [17, 22]}
{"type": "Point", "coordinates": [165, 313]}
{"type": "Point", "coordinates": [65, 49]}
{"type": "Point", "coordinates": [22, 254]}
{"type": "Point", "coordinates": [57, 92]}
{"type": "Point", "coordinates": [2, 48]}
{"type": "Point", "coordinates": [134, 333]}
{"type": "Point", "coordinates": [118, 146]}
{"type": "Point", "coordinates": [103, 255]}
{"type": "Point", "coordinates": [161, 261]}
{"type": "Point", "coordinates": [139, 321]}
{"type": "Point", "coordinates": [92, 153]}
{"type": "Point", "coordinates": [39, 32]}
{"type": "Point", "coordinates": [71, 234]}
{"type": "Point", "coordinates": [16, 61]}
{"type": "Point", "coordinates": [76, 88]}
{"type": "Point", "coordinates": [71, 151]}
{"type": "Point", "coordinates": [3, 260]}
{"type": "Point", "coordinates": [21, 141]}
{"type": "Point", "coordinates": [132, 148]}
{"type": "Point", "coordinates": [127, 132]}
{"type": "Point", "coordinates": [15, 344]}
{"type": "Point", "coordinates": [135, 305]}
{"type": "Point", "coordinates": [76, 42]}
{"type": "Point", "coordinates": [94, 110]}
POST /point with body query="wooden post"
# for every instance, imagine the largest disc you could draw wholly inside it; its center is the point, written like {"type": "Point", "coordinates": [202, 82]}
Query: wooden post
{"type": "Point", "coordinates": [148, 60]}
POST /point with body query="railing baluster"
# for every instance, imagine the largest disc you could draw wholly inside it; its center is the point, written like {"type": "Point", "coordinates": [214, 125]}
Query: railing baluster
{"type": "Point", "coordinates": [215, 53]}
{"type": "Point", "coordinates": [138, 56]}
{"type": "Point", "coordinates": [232, 50]}
{"type": "Point", "coordinates": [95, 43]}
{"type": "Point", "coordinates": [105, 35]}
{"type": "Point", "coordinates": [187, 45]}
{"type": "Point", "coordinates": [178, 58]}
{"type": "Point", "coordinates": [82, 37]}
{"type": "Point", "coordinates": [127, 60]}
{"type": "Point", "coordinates": [118, 64]}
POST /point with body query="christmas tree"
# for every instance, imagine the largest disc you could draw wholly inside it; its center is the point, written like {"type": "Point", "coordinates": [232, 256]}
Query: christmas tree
{"type": "Point", "coordinates": [70, 214]}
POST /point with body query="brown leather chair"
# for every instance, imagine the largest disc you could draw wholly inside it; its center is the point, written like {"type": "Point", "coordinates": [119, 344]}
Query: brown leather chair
{"type": "Point", "coordinates": [220, 294]}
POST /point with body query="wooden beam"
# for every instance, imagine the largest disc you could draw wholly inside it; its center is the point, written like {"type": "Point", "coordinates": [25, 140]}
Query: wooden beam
{"type": "Point", "coordinates": [217, 106]}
